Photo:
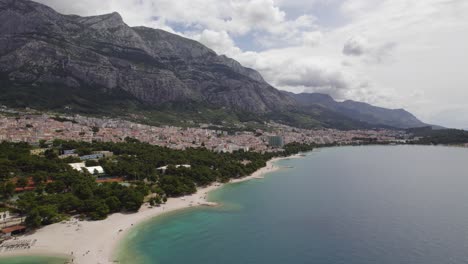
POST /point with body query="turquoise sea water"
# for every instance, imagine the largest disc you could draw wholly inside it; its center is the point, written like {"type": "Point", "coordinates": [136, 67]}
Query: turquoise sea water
{"type": "Point", "coordinates": [350, 205]}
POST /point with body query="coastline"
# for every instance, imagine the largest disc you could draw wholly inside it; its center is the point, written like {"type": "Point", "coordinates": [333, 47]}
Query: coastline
{"type": "Point", "coordinates": [97, 241]}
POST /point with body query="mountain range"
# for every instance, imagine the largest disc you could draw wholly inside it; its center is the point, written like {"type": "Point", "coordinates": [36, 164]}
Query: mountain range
{"type": "Point", "coordinates": [362, 111]}
{"type": "Point", "coordinates": [100, 65]}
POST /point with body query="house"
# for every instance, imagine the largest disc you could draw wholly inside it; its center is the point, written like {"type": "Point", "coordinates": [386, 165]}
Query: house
{"type": "Point", "coordinates": [8, 219]}
{"type": "Point", "coordinates": [69, 151]}
{"type": "Point", "coordinates": [64, 156]}
{"type": "Point", "coordinates": [38, 152]}
{"type": "Point", "coordinates": [229, 148]}
{"type": "Point", "coordinates": [4, 215]}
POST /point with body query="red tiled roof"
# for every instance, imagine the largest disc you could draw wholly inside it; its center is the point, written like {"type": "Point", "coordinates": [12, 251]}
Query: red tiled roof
{"type": "Point", "coordinates": [21, 189]}
{"type": "Point", "coordinates": [30, 187]}
{"type": "Point", "coordinates": [13, 229]}
{"type": "Point", "coordinates": [110, 180]}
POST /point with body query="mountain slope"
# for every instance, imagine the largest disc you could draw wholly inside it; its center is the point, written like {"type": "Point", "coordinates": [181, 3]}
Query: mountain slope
{"type": "Point", "coordinates": [40, 47]}
{"type": "Point", "coordinates": [363, 112]}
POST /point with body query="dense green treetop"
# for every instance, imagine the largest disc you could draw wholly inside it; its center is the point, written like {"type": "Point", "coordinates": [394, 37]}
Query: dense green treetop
{"type": "Point", "coordinates": [60, 191]}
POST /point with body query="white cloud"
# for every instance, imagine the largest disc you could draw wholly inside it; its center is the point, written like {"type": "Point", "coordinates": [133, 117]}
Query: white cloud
{"type": "Point", "coordinates": [383, 52]}
{"type": "Point", "coordinates": [295, 70]}
{"type": "Point", "coordinates": [357, 8]}
{"type": "Point", "coordinates": [256, 14]}
{"type": "Point", "coordinates": [451, 116]}
{"type": "Point", "coordinates": [219, 41]}
{"type": "Point", "coordinates": [359, 46]}
{"type": "Point", "coordinates": [355, 46]}
{"type": "Point", "coordinates": [237, 17]}
{"type": "Point", "coordinates": [312, 38]}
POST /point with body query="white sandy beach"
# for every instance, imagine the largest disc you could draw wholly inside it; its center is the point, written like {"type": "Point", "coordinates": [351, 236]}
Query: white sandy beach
{"type": "Point", "coordinates": [89, 242]}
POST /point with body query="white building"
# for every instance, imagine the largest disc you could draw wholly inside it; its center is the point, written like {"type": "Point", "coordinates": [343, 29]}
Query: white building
{"type": "Point", "coordinates": [82, 167]}
{"type": "Point", "coordinates": [77, 166]}
{"type": "Point", "coordinates": [163, 169]}
{"type": "Point", "coordinates": [94, 169]}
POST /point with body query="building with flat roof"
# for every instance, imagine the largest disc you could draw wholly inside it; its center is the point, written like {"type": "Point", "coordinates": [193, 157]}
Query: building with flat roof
{"type": "Point", "coordinates": [82, 167]}
{"type": "Point", "coordinates": [94, 169]}
{"type": "Point", "coordinates": [69, 151]}
{"type": "Point", "coordinates": [164, 168]}
{"type": "Point", "coordinates": [92, 156]}
{"type": "Point", "coordinates": [38, 152]}
{"type": "Point", "coordinates": [77, 166]}
{"type": "Point", "coordinates": [276, 141]}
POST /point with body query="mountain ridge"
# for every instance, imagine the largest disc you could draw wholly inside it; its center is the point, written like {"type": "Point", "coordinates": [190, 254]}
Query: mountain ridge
{"type": "Point", "coordinates": [99, 63]}
{"type": "Point", "coordinates": [152, 65]}
{"type": "Point", "coordinates": [399, 118]}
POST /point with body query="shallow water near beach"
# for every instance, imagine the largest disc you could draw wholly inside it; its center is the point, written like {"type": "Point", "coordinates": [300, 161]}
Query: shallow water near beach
{"type": "Point", "coordinates": [353, 205]}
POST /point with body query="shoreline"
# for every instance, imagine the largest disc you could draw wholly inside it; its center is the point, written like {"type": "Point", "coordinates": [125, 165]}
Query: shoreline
{"type": "Point", "coordinates": [78, 240]}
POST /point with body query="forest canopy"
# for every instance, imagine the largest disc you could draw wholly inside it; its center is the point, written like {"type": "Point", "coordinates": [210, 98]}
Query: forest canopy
{"type": "Point", "coordinates": [58, 191]}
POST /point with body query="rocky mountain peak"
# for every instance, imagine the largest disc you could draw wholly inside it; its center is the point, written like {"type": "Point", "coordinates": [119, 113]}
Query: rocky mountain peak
{"type": "Point", "coordinates": [39, 46]}
{"type": "Point", "coordinates": [107, 21]}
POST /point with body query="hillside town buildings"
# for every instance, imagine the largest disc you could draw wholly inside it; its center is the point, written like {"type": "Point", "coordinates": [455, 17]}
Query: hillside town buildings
{"type": "Point", "coordinates": [36, 128]}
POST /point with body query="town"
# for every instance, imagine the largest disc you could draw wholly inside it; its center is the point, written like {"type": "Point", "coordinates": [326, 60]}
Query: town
{"type": "Point", "coordinates": [42, 127]}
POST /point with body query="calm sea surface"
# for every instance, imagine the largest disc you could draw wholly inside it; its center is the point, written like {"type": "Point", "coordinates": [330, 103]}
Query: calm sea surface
{"type": "Point", "coordinates": [350, 205]}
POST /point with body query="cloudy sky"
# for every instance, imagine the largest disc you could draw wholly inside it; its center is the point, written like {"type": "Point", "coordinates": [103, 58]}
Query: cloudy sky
{"type": "Point", "coordinates": [410, 54]}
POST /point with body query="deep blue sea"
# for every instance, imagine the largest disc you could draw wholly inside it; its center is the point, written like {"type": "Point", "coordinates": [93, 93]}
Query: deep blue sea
{"type": "Point", "coordinates": [349, 205]}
